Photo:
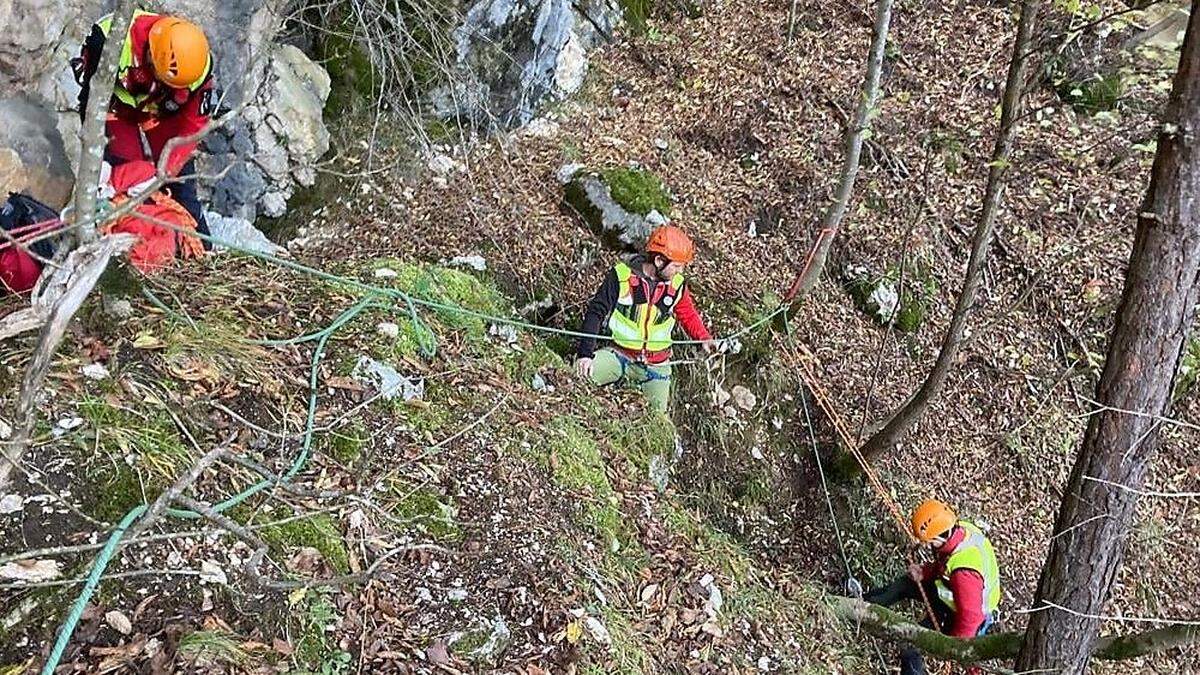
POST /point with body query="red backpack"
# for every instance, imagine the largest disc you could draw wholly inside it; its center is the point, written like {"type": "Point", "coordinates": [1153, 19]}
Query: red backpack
{"type": "Point", "coordinates": [24, 219]}
{"type": "Point", "coordinates": [158, 245]}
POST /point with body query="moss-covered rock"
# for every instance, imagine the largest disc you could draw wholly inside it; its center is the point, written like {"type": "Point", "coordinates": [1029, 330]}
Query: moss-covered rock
{"type": "Point", "coordinates": [622, 205]}
{"type": "Point", "coordinates": [637, 190]}
{"type": "Point", "coordinates": [885, 300]}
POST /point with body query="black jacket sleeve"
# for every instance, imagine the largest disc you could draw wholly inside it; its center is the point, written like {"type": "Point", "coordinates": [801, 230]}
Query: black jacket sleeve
{"type": "Point", "coordinates": [85, 65]}
{"type": "Point", "coordinates": [595, 317]}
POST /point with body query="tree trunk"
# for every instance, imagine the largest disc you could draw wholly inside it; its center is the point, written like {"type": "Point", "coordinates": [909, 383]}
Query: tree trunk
{"type": "Point", "coordinates": [887, 624]}
{"type": "Point", "coordinates": [1143, 357]}
{"type": "Point", "coordinates": [92, 136]}
{"type": "Point", "coordinates": [855, 135]}
{"type": "Point", "coordinates": [903, 420]}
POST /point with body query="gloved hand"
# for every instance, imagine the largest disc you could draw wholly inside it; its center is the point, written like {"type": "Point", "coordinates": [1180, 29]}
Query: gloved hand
{"type": "Point", "coordinates": [104, 189]}
{"type": "Point", "coordinates": [135, 191]}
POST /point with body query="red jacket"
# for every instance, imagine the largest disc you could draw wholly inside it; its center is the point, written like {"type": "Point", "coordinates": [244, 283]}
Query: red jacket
{"type": "Point", "coordinates": [168, 113]}
{"type": "Point", "coordinates": [966, 585]}
{"type": "Point", "coordinates": [595, 318]}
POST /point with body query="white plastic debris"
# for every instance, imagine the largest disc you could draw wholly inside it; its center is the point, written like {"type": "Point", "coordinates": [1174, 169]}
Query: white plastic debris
{"type": "Point", "coordinates": [388, 329]}
{"type": "Point", "coordinates": [31, 570]}
{"type": "Point", "coordinates": [69, 423]}
{"type": "Point", "coordinates": [475, 262]}
{"type": "Point", "coordinates": [385, 273]}
{"type": "Point", "coordinates": [885, 300]}
{"type": "Point", "coordinates": [661, 143]}
{"type": "Point", "coordinates": [597, 630]}
{"type": "Point", "coordinates": [5, 430]}
{"type": "Point", "coordinates": [11, 503]}
{"type": "Point", "coordinates": [95, 371]}
{"type": "Point", "coordinates": [211, 573]}
{"type": "Point", "coordinates": [387, 380]}
{"type": "Point", "coordinates": [240, 234]}
{"type": "Point", "coordinates": [497, 640]}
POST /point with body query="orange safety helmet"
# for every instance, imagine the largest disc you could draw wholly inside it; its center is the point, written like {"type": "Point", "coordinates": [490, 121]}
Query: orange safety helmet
{"type": "Point", "coordinates": [178, 51]}
{"type": "Point", "coordinates": [671, 243]}
{"type": "Point", "coordinates": [931, 520]}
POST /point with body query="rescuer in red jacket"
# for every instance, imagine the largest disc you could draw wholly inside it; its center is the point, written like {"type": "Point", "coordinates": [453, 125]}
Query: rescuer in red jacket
{"type": "Point", "coordinates": [962, 583]}
{"type": "Point", "coordinates": [164, 90]}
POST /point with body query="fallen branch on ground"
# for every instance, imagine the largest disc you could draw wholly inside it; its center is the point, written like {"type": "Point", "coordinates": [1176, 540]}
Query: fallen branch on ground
{"type": "Point", "coordinates": [69, 286]}
{"type": "Point", "coordinates": [885, 623]}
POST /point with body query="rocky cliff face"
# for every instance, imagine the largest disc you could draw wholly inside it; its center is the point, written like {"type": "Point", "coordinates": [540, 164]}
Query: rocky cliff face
{"type": "Point", "coordinates": [514, 55]}
{"type": "Point", "coordinates": [287, 92]}
{"type": "Point", "coordinates": [511, 56]}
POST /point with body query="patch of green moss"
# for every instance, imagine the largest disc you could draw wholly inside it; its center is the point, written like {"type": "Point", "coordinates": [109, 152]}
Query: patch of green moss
{"type": "Point", "coordinates": [453, 290]}
{"type": "Point", "coordinates": [642, 439]}
{"type": "Point", "coordinates": [1189, 368]}
{"type": "Point", "coordinates": [571, 454]}
{"type": "Point", "coordinates": [319, 532]}
{"type": "Point", "coordinates": [430, 511]}
{"type": "Point", "coordinates": [423, 416]}
{"type": "Point", "coordinates": [637, 190]}
{"type": "Point", "coordinates": [151, 441]}
{"type": "Point", "coordinates": [345, 444]}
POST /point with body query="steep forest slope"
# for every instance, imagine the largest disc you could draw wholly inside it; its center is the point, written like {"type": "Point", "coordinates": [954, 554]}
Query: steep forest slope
{"type": "Point", "coordinates": [499, 515]}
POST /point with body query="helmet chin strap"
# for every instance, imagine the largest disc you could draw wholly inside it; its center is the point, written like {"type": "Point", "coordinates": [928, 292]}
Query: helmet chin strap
{"type": "Point", "coordinates": [660, 263]}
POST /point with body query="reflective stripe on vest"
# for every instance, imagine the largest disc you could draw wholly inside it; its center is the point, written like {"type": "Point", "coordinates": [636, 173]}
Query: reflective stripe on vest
{"type": "Point", "coordinates": [127, 61]}
{"type": "Point", "coordinates": [641, 327]}
{"type": "Point", "coordinates": [974, 553]}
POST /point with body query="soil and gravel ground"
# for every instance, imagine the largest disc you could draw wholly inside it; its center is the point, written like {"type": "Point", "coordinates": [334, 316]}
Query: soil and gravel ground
{"type": "Point", "coordinates": [508, 500]}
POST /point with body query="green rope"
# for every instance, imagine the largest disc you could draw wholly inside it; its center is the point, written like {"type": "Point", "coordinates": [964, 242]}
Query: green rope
{"type": "Point", "coordinates": [434, 304]}
{"type": "Point", "coordinates": [93, 580]}
{"type": "Point", "coordinates": [106, 554]}
{"type": "Point", "coordinates": [427, 344]}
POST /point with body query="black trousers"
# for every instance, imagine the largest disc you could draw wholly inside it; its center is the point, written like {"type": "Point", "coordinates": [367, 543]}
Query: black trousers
{"type": "Point", "coordinates": [904, 588]}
